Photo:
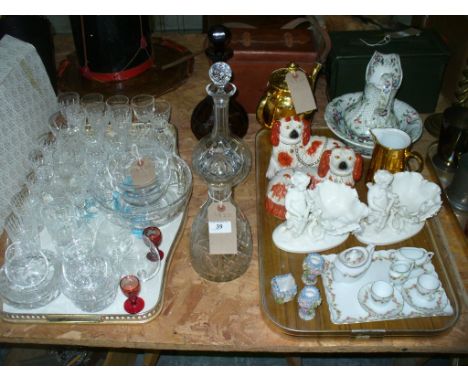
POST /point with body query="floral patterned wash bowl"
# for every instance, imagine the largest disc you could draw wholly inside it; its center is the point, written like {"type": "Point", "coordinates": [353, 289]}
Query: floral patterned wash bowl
{"type": "Point", "coordinates": [407, 118]}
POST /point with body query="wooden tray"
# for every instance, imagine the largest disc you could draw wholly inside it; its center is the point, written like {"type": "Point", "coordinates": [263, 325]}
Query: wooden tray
{"type": "Point", "coordinates": [274, 261]}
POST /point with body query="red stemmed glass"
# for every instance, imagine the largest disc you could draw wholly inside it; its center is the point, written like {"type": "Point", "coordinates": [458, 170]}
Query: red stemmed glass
{"type": "Point", "coordinates": [130, 286]}
{"type": "Point", "coordinates": [153, 235]}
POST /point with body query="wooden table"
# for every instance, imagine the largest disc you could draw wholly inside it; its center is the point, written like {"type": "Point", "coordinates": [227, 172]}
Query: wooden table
{"type": "Point", "coordinates": [202, 315]}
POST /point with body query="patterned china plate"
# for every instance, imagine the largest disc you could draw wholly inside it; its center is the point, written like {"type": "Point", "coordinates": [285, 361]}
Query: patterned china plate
{"type": "Point", "coordinates": [384, 311]}
{"type": "Point", "coordinates": [408, 118]}
{"type": "Point", "coordinates": [421, 303]}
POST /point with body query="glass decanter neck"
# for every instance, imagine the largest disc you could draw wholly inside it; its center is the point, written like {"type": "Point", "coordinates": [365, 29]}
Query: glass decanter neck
{"type": "Point", "coordinates": [220, 192]}
{"type": "Point", "coordinates": [221, 96]}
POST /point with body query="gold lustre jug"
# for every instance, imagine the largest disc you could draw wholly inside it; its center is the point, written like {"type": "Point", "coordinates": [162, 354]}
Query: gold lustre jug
{"type": "Point", "coordinates": [392, 152]}
{"type": "Point", "coordinates": [277, 102]}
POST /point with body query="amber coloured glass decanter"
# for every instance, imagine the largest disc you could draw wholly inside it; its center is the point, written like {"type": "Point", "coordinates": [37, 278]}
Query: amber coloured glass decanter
{"type": "Point", "coordinates": [221, 241]}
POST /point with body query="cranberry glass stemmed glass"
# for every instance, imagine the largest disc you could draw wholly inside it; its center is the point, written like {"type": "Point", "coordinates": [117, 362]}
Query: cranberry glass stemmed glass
{"type": "Point", "coordinates": [130, 286]}
{"type": "Point", "coordinates": [152, 237]}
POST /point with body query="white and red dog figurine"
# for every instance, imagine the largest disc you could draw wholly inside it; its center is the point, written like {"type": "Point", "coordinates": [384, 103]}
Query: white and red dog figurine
{"type": "Point", "coordinates": [294, 146]}
{"type": "Point", "coordinates": [340, 165]}
{"type": "Point", "coordinates": [335, 162]}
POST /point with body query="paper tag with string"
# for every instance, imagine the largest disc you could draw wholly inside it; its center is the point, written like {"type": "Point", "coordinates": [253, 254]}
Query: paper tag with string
{"type": "Point", "coordinates": [301, 93]}
{"type": "Point", "coordinates": [222, 228]}
{"type": "Point", "coordinates": [142, 172]}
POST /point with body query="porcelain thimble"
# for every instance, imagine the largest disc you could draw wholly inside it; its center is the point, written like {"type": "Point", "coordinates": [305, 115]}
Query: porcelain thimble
{"type": "Point", "coordinates": [309, 299]}
{"type": "Point", "coordinates": [313, 267]}
{"type": "Point", "coordinates": [283, 288]}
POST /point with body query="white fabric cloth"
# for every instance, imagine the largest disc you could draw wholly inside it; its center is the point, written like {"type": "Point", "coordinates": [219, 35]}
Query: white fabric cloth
{"type": "Point", "coordinates": [27, 100]}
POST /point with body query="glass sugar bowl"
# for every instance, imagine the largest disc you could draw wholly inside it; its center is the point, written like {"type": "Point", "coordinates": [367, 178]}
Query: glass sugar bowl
{"type": "Point", "coordinates": [221, 240]}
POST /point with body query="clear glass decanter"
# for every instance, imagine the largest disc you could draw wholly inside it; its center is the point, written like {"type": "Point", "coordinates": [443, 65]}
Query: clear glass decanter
{"type": "Point", "coordinates": [223, 161]}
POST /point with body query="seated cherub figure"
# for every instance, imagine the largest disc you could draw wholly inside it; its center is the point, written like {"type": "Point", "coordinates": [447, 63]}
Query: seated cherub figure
{"type": "Point", "coordinates": [381, 200]}
{"type": "Point", "coordinates": [297, 204]}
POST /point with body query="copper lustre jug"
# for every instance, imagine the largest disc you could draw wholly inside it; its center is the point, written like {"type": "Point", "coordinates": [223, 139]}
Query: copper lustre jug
{"type": "Point", "coordinates": [277, 102]}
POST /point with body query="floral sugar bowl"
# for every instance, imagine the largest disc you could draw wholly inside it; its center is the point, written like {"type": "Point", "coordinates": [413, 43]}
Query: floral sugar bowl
{"type": "Point", "coordinates": [309, 299]}
{"type": "Point", "coordinates": [283, 288]}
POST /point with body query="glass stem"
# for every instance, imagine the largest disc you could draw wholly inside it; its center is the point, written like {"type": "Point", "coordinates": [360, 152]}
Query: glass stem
{"type": "Point", "coordinates": [133, 299]}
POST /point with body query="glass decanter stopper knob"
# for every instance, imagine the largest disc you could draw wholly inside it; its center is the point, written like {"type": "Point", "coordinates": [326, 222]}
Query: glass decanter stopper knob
{"type": "Point", "coordinates": [220, 74]}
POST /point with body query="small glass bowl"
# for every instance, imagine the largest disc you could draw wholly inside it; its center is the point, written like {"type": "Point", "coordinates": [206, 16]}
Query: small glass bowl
{"type": "Point", "coordinates": [121, 167]}
{"type": "Point", "coordinates": [158, 213]}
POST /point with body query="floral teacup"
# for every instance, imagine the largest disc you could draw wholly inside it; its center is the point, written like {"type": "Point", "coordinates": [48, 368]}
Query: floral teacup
{"type": "Point", "coordinates": [400, 271]}
{"type": "Point", "coordinates": [427, 285]}
{"type": "Point", "coordinates": [381, 292]}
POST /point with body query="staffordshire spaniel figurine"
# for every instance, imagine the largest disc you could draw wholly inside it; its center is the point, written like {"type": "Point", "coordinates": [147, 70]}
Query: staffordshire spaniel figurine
{"type": "Point", "coordinates": [294, 146]}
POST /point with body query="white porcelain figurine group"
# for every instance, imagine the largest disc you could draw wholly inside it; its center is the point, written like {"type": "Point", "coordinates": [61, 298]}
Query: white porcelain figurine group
{"type": "Point", "coordinates": [322, 218]}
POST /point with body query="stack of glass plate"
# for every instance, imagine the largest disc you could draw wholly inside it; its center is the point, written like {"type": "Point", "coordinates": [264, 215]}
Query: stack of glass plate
{"type": "Point", "coordinates": [29, 278]}
{"type": "Point", "coordinates": [155, 202]}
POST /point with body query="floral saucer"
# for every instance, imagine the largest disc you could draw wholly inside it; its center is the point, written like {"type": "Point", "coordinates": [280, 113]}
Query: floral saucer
{"type": "Point", "coordinates": [385, 311]}
{"type": "Point", "coordinates": [425, 268]}
{"type": "Point", "coordinates": [408, 121]}
{"type": "Point", "coordinates": [421, 303]}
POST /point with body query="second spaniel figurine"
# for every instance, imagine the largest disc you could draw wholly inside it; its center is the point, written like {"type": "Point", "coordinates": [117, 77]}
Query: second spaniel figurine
{"type": "Point", "coordinates": [340, 165]}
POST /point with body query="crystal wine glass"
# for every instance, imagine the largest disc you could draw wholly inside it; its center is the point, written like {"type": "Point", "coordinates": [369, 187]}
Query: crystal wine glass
{"type": "Point", "coordinates": [131, 287]}
{"type": "Point", "coordinates": [117, 99]}
{"type": "Point", "coordinates": [143, 107]}
{"type": "Point", "coordinates": [91, 97]}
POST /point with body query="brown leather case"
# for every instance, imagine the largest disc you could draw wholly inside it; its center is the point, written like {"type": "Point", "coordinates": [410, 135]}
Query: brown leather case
{"type": "Point", "coordinates": [258, 52]}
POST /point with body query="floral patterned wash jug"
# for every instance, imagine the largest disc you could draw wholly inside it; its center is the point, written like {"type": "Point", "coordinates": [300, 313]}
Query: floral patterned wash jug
{"type": "Point", "coordinates": [374, 109]}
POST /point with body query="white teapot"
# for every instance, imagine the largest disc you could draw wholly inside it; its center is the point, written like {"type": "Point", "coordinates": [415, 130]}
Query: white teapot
{"type": "Point", "coordinates": [351, 264]}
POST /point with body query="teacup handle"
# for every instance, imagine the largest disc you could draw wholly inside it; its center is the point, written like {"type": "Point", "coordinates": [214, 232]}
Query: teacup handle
{"type": "Point", "coordinates": [414, 155]}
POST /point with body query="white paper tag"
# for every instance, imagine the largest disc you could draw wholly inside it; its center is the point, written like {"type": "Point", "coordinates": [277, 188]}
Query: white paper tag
{"type": "Point", "coordinates": [143, 172]}
{"type": "Point", "coordinates": [301, 93]}
{"type": "Point", "coordinates": [222, 229]}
